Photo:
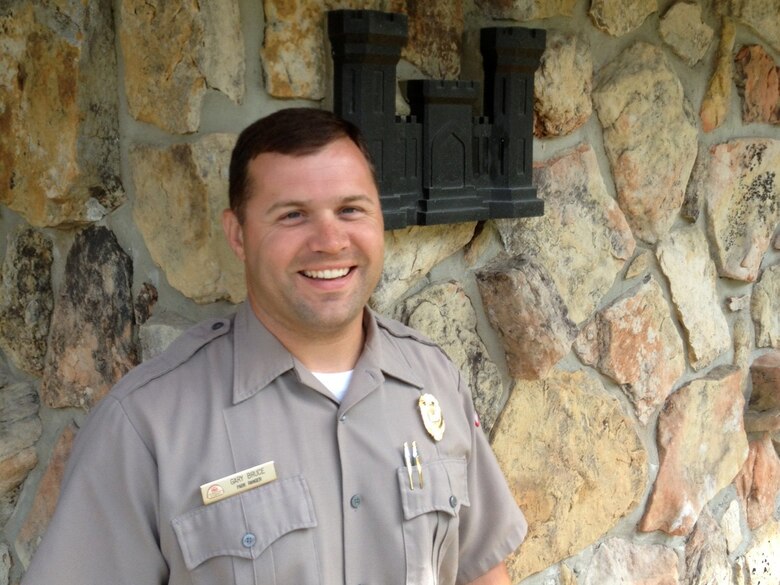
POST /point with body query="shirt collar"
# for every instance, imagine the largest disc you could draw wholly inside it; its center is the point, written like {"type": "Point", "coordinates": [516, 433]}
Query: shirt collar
{"type": "Point", "coordinates": [259, 357]}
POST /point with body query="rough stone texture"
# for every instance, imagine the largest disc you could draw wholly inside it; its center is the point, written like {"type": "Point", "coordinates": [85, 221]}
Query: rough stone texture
{"type": "Point", "coordinates": [762, 559]}
{"type": "Point", "coordinates": [575, 475]}
{"type": "Point", "coordinates": [765, 378]}
{"type": "Point", "coordinates": [758, 80]}
{"type": "Point", "coordinates": [736, 304]}
{"type": "Point", "coordinates": [410, 253]}
{"type": "Point", "coordinates": [20, 428]}
{"type": "Point", "coordinates": [640, 265]}
{"type": "Point", "coordinates": [435, 33]}
{"type": "Point", "coordinates": [91, 343]}
{"type": "Point", "coordinates": [717, 99]}
{"type": "Point", "coordinates": [731, 526]}
{"type": "Point", "coordinates": [198, 46]}
{"type": "Point", "coordinates": [635, 342]}
{"type": "Point", "coordinates": [45, 498]}
{"type": "Point", "coordinates": [765, 308]}
{"type": "Point", "coordinates": [761, 15]}
{"type": "Point", "coordinates": [293, 53]}
{"type": "Point", "coordinates": [744, 341]}
{"type": "Point", "coordinates": [618, 17]}
{"type": "Point", "coordinates": [5, 563]}
{"type": "Point", "coordinates": [526, 9]}
{"type": "Point", "coordinates": [650, 137]}
{"type": "Point", "coordinates": [583, 239]}
{"type": "Point", "coordinates": [160, 331]}
{"type": "Point", "coordinates": [742, 195]}
{"type": "Point", "coordinates": [444, 313]}
{"type": "Point", "coordinates": [683, 30]}
{"type": "Point", "coordinates": [702, 446]}
{"type": "Point", "coordinates": [706, 554]}
{"type": "Point", "coordinates": [685, 260]}
{"type": "Point", "coordinates": [525, 308]}
{"type": "Point", "coordinates": [562, 86]}
{"type": "Point", "coordinates": [145, 301]}
{"type": "Point", "coordinates": [59, 146]}
{"type": "Point", "coordinates": [188, 182]}
{"type": "Point", "coordinates": [620, 561]}
{"type": "Point", "coordinates": [758, 483]}
{"type": "Point", "coordinates": [26, 299]}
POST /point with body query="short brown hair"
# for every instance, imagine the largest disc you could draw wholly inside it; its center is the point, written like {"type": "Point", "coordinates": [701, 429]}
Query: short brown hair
{"type": "Point", "coordinates": [291, 131]}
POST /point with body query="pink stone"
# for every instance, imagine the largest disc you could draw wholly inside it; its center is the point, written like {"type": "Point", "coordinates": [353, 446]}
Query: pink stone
{"type": "Point", "coordinates": [758, 484]}
{"type": "Point", "coordinates": [702, 446]}
{"type": "Point", "coordinates": [759, 83]}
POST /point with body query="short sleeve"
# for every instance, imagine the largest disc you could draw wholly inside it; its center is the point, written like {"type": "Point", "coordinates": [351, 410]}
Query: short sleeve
{"type": "Point", "coordinates": [493, 526]}
{"type": "Point", "coordinates": [104, 529]}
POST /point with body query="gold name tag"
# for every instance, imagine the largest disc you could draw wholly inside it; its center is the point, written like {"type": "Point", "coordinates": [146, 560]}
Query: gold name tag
{"type": "Point", "coordinates": [219, 489]}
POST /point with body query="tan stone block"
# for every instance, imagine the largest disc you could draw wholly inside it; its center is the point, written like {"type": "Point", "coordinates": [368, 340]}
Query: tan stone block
{"type": "Point", "coordinates": [59, 148]}
{"type": "Point", "coordinates": [583, 239]}
{"type": "Point", "coordinates": [684, 257]}
{"type": "Point", "coordinates": [532, 321]}
{"type": "Point", "coordinates": [619, 17]}
{"type": "Point", "coordinates": [743, 204]}
{"type": "Point", "coordinates": [684, 31]}
{"type": "Point", "coordinates": [765, 308]}
{"type": "Point", "coordinates": [702, 446]}
{"type": "Point", "coordinates": [573, 462]}
{"type": "Point", "coordinates": [620, 561]}
{"type": "Point", "coordinates": [765, 377]}
{"type": "Point", "coordinates": [411, 253]}
{"type": "Point", "coordinates": [650, 137]}
{"type": "Point", "coordinates": [173, 52]}
{"type": "Point", "coordinates": [181, 192]}
{"type": "Point", "coordinates": [562, 86]}
{"type": "Point", "coordinates": [760, 15]}
{"type": "Point", "coordinates": [717, 99]}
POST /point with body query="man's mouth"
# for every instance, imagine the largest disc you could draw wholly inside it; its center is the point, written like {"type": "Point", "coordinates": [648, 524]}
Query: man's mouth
{"type": "Point", "coordinates": [329, 274]}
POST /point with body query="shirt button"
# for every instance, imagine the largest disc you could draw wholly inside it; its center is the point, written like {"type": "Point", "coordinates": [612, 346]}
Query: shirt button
{"type": "Point", "coordinates": [355, 501]}
{"type": "Point", "coordinates": [343, 418]}
{"type": "Point", "coordinates": [453, 501]}
{"type": "Point", "coordinates": [249, 540]}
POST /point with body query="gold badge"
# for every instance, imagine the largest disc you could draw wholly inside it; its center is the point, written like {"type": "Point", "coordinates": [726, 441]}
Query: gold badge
{"type": "Point", "coordinates": [432, 416]}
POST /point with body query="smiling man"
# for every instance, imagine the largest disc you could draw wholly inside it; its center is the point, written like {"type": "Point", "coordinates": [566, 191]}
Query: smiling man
{"type": "Point", "coordinates": [304, 440]}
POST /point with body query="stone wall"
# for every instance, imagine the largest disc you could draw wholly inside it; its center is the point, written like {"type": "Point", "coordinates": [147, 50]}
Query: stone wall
{"type": "Point", "coordinates": [624, 349]}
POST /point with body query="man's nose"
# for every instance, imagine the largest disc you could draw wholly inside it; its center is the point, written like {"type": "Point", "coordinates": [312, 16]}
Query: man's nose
{"type": "Point", "coordinates": [329, 236]}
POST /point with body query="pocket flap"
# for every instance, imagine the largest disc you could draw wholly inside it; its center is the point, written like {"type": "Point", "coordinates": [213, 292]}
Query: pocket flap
{"type": "Point", "coordinates": [246, 524]}
{"type": "Point", "coordinates": [445, 488]}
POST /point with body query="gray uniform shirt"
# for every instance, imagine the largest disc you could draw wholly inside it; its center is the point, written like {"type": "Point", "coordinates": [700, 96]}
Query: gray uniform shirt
{"type": "Point", "coordinates": [228, 396]}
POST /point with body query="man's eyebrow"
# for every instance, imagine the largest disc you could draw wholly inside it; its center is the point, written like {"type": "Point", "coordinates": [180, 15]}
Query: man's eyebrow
{"type": "Point", "coordinates": [346, 200]}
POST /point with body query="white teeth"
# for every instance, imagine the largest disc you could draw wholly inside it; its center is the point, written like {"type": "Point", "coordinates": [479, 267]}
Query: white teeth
{"type": "Point", "coordinates": [326, 274]}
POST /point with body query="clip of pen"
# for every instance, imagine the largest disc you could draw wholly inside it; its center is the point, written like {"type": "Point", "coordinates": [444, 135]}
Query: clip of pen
{"type": "Point", "coordinates": [408, 460]}
{"type": "Point", "coordinates": [417, 462]}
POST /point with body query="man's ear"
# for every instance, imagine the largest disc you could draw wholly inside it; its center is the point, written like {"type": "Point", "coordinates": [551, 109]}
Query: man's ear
{"type": "Point", "coordinates": [233, 232]}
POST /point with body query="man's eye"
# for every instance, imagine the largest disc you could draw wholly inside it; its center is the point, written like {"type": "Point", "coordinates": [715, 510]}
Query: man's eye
{"type": "Point", "coordinates": [292, 215]}
{"type": "Point", "coordinates": [350, 210]}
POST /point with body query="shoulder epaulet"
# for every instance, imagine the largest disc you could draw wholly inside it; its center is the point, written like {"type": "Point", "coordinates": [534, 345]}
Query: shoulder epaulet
{"type": "Point", "coordinates": [401, 331]}
{"type": "Point", "coordinates": [177, 353]}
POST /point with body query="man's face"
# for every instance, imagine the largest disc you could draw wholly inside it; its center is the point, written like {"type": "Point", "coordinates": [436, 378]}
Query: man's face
{"type": "Point", "coordinates": [312, 241]}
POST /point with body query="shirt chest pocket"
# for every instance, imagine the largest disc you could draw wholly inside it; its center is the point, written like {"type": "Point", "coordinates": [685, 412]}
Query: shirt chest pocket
{"type": "Point", "coordinates": [430, 526]}
{"type": "Point", "coordinates": [261, 536]}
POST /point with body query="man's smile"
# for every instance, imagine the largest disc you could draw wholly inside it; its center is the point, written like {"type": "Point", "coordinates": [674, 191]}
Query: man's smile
{"type": "Point", "coordinates": [329, 274]}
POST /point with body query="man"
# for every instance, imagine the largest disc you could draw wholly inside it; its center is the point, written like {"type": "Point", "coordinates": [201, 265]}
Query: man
{"type": "Point", "coordinates": [305, 439]}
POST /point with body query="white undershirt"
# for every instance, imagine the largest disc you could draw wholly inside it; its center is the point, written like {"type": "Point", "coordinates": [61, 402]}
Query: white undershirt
{"type": "Point", "coordinates": [336, 382]}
